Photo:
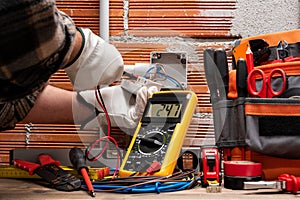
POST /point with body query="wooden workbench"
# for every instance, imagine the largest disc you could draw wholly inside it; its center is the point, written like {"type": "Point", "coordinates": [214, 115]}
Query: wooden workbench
{"type": "Point", "coordinates": [29, 190]}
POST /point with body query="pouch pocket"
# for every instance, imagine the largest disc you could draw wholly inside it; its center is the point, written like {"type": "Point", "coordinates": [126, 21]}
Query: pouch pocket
{"type": "Point", "coordinates": [229, 122]}
{"type": "Point", "coordinates": [273, 126]}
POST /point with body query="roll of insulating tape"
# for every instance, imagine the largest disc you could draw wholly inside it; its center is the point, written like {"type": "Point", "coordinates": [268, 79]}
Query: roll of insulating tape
{"type": "Point", "coordinates": [237, 172]}
{"type": "Point", "coordinates": [242, 168]}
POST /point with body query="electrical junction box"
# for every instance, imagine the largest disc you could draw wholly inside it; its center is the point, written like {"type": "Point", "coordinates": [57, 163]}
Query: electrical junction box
{"type": "Point", "coordinates": [169, 69]}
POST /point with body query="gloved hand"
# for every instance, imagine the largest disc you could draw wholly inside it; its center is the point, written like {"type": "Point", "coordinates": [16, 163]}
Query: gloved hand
{"type": "Point", "coordinates": [124, 109]}
{"type": "Point", "coordinates": [99, 63]}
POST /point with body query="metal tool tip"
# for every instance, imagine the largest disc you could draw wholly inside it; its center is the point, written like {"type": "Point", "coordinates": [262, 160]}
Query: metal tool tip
{"type": "Point", "coordinates": [260, 185]}
{"type": "Point", "coordinates": [92, 193]}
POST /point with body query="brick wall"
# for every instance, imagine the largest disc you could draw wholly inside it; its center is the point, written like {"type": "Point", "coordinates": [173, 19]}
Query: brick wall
{"type": "Point", "coordinates": [138, 27]}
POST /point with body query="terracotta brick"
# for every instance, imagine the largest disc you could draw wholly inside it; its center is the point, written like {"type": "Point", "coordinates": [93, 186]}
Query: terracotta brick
{"type": "Point", "coordinates": [146, 19]}
{"type": "Point", "coordinates": [194, 18]}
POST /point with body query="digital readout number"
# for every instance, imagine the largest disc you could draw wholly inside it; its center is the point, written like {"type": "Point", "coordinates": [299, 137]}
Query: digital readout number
{"type": "Point", "coordinates": [164, 110]}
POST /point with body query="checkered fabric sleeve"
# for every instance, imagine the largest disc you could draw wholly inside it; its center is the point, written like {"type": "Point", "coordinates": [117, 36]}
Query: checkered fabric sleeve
{"type": "Point", "coordinates": [36, 39]}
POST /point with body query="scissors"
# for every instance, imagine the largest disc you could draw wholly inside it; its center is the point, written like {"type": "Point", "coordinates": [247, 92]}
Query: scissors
{"type": "Point", "coordinates": [266, 90]}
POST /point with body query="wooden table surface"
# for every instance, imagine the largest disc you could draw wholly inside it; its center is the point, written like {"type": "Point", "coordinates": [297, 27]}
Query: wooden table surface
{"type": "Point", "coordinates": [30, 190]}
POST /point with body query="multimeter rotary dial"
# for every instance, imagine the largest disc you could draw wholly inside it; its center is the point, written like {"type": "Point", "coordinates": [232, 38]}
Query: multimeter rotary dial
{"type": "Point", "coordinates": [152, 142]}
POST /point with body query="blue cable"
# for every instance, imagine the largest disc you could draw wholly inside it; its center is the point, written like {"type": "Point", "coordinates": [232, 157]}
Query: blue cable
{"type": "Point", "coordinates": [157, 187]}
{"type": "Point", "coordinates": [171, 80]}
{"type": "Point", "coordinates": [174, 81]}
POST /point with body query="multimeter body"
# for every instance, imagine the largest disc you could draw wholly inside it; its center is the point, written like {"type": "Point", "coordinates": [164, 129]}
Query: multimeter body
{"type": "Point", "coordinates": [160, 134]}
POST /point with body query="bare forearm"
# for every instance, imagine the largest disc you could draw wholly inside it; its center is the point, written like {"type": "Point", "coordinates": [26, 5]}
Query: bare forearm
{"type": "Point", "coordinates": [55, 105]}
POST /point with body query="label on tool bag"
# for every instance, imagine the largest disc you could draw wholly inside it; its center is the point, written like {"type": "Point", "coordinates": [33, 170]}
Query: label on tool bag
{"type": "Point", "coordinates": [237, 172]}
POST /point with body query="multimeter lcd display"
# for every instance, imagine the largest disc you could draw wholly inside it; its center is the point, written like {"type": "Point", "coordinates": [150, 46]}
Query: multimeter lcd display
{"type": "Point", "coordinates": [165, 110]}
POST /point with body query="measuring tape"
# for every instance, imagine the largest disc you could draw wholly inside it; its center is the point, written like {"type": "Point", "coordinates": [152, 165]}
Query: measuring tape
{"type": "Point", "coordinates": [237, 172]}
{"type": "Point", "coordinates": [13, 172]}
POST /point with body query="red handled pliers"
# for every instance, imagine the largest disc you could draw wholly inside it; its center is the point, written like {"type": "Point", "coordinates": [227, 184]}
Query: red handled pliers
{"type": "Point", "coordinates": [49, 170]}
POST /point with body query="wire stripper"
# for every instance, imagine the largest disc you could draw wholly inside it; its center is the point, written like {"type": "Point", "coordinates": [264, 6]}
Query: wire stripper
{"type": "Point", "coordinates": [49, 170]}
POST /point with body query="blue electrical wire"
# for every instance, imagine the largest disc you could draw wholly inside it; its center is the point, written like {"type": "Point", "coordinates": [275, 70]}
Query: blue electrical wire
{"type": "Point", "coordinates": [159, 68]}
{"type": "Point", "coordinates": [156, 187]}
{"type": "Point", "coordinates": [174, 81]}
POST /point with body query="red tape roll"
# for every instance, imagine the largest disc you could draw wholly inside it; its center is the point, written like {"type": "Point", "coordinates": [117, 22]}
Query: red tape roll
{"type": "Point", "coordinates": [242, 168]}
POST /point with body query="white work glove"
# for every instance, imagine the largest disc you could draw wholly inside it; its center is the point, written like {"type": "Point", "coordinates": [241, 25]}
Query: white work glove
{"type": "Point", "coordinates": [99, 63]}
{"type": "Point", "coordinates": [124, 109]}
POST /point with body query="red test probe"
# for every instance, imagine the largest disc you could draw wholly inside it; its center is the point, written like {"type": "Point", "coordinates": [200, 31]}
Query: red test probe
{"type": "Point", "coordinates": [77, 158]}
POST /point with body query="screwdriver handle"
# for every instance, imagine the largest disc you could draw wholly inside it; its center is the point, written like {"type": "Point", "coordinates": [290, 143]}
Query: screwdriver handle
{"type": "Point", "coordinates": [210, 73]}
{"type": "Point", "coordinates": [77, 159]}
{"type": "Point", "coordinates": [292, 182]}
{"type": "Point", "coordinates": [222, 65]}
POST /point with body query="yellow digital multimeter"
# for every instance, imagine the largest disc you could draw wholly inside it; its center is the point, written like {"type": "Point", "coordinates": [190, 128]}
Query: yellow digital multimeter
{"type": "Point", "coordinates": [160, 134]}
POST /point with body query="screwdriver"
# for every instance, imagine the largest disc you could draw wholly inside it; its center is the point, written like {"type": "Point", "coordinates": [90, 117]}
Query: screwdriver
{"type": "Point", "coordinates": [77, 159]}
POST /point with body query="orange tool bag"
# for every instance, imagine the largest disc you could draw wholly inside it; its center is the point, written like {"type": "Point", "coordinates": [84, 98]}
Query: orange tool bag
{"type": "Point", "coordinates": [257, 117]}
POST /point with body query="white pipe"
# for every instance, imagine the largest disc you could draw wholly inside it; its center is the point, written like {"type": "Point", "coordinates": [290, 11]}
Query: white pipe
{"type": "Point", "coordinates": [104, 20]}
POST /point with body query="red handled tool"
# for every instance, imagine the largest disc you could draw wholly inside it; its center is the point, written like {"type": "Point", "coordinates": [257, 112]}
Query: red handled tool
{"type": "Point", "coordinates": [49, 170]}
{"type": "Point", "coordinates": [266, 90]}
{"type": "Point", "coordinates": [285, 182]}
{"type": "Point", "coordinates": [77, 158]}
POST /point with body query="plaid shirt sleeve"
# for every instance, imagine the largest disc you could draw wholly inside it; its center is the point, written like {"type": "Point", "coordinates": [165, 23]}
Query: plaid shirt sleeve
{"type": "Point", "coordinates": [36, 39]}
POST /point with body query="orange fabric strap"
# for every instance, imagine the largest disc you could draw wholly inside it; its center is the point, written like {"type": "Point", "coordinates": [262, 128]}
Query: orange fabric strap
{"type": "Point", "coordinates": [272, 109]}
{"type": "Point", "coordinates": [290, 68]}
